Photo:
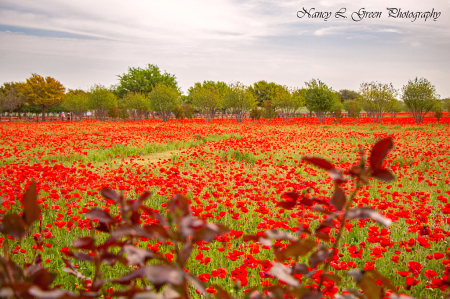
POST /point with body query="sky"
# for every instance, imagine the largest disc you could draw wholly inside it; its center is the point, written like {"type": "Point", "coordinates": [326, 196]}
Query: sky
{"type": "Point", "coordinates": [87, 42]}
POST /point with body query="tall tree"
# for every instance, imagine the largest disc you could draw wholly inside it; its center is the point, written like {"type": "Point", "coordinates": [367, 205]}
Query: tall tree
{"type": "Point", "coordinates": [353, 108]}
{"type": "Point", "coordinates": [143, 81]}
{"type": "Point", "coordinates": [320, 98]}
{"type": "Point", "coordinates": [420, 97]}
{"type": "Point", "coordinates": [137, 103]}
{"type": "Point", "coordinates": [12, 97]}
{"type": "Point", "coordinates": [264, 91]}
{"type": "Point", "coordinates": [44, 93]}
{"type": "Point", "coordinates": [77, 102]}
{"type": "Point", "coordinates": [446, 104]}
{"type": "Point", "coordinates": [377, 98]}
{"type": "Point", "coordinates": [348, 95]}
{"type": "Point", "coordinates": [288, 101]}
{"type": "Point", "coordinates": [396, 106]}
{"type": "Point", "coordinates": [101, 100]}
{"type": "Point", "coordinates": [208, 97]}
{"type": "Point", "coordinates": [164, 99]}
{"type": "Point", "coordinates": [239, 99]}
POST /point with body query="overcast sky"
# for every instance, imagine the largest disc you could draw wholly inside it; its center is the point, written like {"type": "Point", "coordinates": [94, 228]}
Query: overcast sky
{"type": "Point", "coordinates": [86, 42]}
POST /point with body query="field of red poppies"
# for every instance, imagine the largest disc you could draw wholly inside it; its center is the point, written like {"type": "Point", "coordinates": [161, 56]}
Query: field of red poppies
{"type": "Point", "coordinates": [235, 174]}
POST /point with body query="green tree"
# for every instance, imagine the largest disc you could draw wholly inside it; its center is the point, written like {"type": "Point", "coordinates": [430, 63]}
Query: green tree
{"type": "Point", "coordinates": [396, 106]}
{"type": "Point", "coordinates": [137, 103]}
{"type": "Point", "coordinates": [348, 95]}
{"type": "Point", "coordinates": [377, 98]}
{"type": "Point", "coordinates": [239, 100]}
{"type": "Point", "coordinates": [353, 106]}
{"type": "Point", "coordinates": [256, 113]}
{"type": "Point", "coordinates": [208, 96]}
{"type": "Point", "coordinates": [77, 102]}
{"type": "Point", "coordinates": [420, 97]}
{"type": "Point", "coordinates": [143, 81]}
{"type": "Point", "coordinates": [288, 101]}
{"type": "Point", "coordinates": [320, 98]}
{"type": "Point", "coordinates": [43, 93]}
{"type": "Point", "coordinates": [268, 110]}
{"type": "Point", "coordinates": [183, 111]}
{"type": "Point", "coordinates": [101, 100]}
{"type": "Point", "coordinates": [446, 104]}
{"type": "Point", "coordinates": [12, 97]}
{"type": "Point", "coordinates": [164, 99]}
{"type": "Point", "coordinates": [264, 91]}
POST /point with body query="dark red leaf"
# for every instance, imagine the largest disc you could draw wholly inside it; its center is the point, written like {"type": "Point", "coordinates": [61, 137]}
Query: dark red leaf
{"type": "Point", "coordinates": [300, 269]}
{"type": "Point", "coordinates": [144, 196]}
{"type": "Point", "coordinates": [336, 176]}
{"type": "Point", "coordinates": [31, 210]}
{"type": "Point", "coordinates": [383, 175]}
{"type": "Point", "coordinates": [136, 256]}
{"type": "Point", "coordinates": [179, 202]}
{"type": "Point", "coordinates": [83, 256]}
{"type": "Point", "coordinates": [288, 205]}
{"type": "Point", "coordinates": [319, 162]}
{"type": "Point", "coordinates": [322, 236]}
{"type": "Point", "coordinates": [185, 252]}
{"type": "Point", "coordinates": [221, 293]}
{"type": "Point", "coordinates": [299, 248]}
{"type": "Point", "coordinates": [379, 152]}
{"type": "Point", "coordinates": [363, 213]}
{"type": "Point", "coordinates": [42, 278]}
{"type": "Point", "coordinates": [278, 234]}
{"type": "Point", "coordinates": [156, 274]}
{"type": "Point", "coordinates": [110, 194]}
{"type": "Point", "coordinates": [386, 282]}
{"type": "Point", "coordinates": [83, 243]}
{"type": "Point", "coordinates": [36, 292]}
{"type": "Point", "coordinates": [101, 215]}
{"type": "Point", "coordinates": [13, 225]}
{"type": "Point", "coordinates": [283, 273]}
{"type": "Point", "coordinates": [318, 257]}
{"type": "Point", "coordinates": [338, 199]}
{"type": "Point", "coordinates": [312, 295]}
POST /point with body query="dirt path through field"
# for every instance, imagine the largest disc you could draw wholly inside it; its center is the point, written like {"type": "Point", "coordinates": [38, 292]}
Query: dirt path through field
{"type": "Point", "coordinates": [152, 158]}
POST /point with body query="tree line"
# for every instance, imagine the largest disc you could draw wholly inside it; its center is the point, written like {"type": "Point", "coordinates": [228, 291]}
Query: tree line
{"type": "Point", "coordinates": [147, 92]}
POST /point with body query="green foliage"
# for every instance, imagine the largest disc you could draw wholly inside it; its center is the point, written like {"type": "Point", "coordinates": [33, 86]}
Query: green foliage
{"type": "Point", "coordinates": [353, 108]}
{"type": "Point", "coordinates": [268, 110]}
{"type": "Point", "coordinates": [420, 97]}
{"type": "Point", "coordinates": [264, 91]}
{"type": "Point", "coordinates": [143, 81]}
{"type": "Point", "coordinates": [12, 96]}
{"type": "Point", "coordinates": [446, 104]}
{"type": "Point", "coordinates": [338, 115]}
{"type": "Point", "coordinates": [164, 99]}
{"type": "Point", "coordinates": [377, 98]}
{"type": "Point", "coordinates": [101, 100]}
{"type": "Point", "coordinates": [320, 98]}
{"type": "Point", "coordinates": [348, 95]}
{"type": "Point", "coordinates": [137, 103]}
{"type": "Point", "coordinates": [208, 97]}
{"type": "Point", "coordinates": [76, 101]}
{"type": "Point", "coordinates": [396, 106]}
{"type": "Point", "coordinates": [256, 113]}
{"type": "Point", "coordinates": [239, 99]}
{"type": "Point", "coordinates": [183, 111]}
{"type": "Point", "coordinates": [288, 101]}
